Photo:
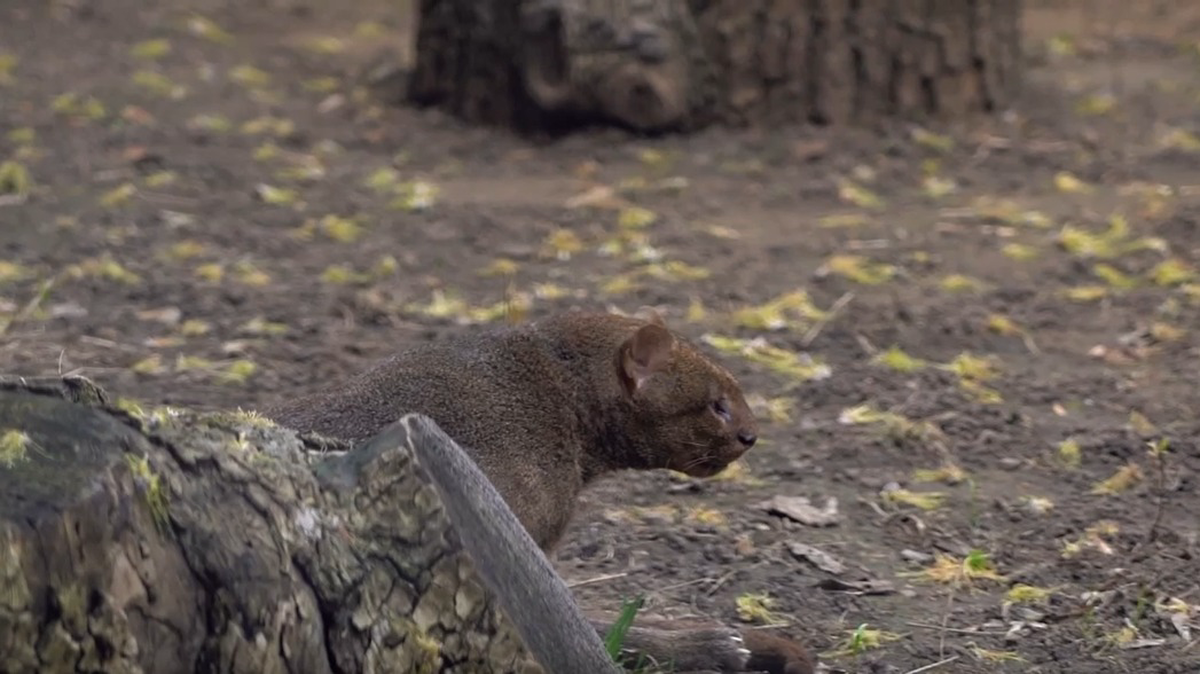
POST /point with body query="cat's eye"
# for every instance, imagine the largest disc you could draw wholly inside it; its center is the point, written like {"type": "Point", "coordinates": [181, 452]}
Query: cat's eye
{"type": "Point", "coordinates": [721, 408]}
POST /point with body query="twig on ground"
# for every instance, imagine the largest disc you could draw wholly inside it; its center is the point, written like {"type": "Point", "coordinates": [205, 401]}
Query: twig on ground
{"type": "Point", "coordinates": [597, 579]}
{"type": "Point", "coordinates": [933, 665]}
{"type": "Point", "coordinates": [1159, 455]}
{"type": "Point", "coordinates": [945, 620]}
{"type": "Point", "coordinates": [110, 344]}
{"type": "Point", "coordinates": [30, 307]}
{"type": "Point", "coordinates": [815, 330]}
{"type": "Point", "coordinates": [957, 630]}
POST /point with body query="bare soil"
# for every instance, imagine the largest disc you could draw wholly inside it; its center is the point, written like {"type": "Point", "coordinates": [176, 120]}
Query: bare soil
{"type": "Point", "coordinates": [227, 218]}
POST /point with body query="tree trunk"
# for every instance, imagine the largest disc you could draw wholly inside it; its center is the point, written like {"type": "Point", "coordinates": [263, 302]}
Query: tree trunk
{"type": "Point", "coordinates": [167, 541]}
{"type": "Point", "coordinates": [656, 65]}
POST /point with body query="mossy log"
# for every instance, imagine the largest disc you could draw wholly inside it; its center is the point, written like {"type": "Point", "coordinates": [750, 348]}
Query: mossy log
{"type": "Point", "coordinates": [656, 65]}
{"type": "Point", "coordinates": [167, 541]}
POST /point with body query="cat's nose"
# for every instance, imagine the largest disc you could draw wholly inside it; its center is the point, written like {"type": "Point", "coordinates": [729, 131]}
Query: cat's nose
{"type": "Point", "coordinates": [746, 438]}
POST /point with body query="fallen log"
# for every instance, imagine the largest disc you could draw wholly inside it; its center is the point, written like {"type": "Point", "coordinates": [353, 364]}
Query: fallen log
{"type": "Point", "coordinates": [161, 540]}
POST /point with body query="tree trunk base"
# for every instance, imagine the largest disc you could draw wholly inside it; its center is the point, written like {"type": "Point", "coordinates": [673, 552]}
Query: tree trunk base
{"type": "Point", "coordinates": [659, 65]}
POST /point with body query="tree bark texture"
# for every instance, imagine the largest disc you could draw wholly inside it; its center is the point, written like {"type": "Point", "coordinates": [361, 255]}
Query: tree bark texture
{"type": "Point", "coordinates": [164, 541]}
{"type": "Point", "coordinates": [657, 65]}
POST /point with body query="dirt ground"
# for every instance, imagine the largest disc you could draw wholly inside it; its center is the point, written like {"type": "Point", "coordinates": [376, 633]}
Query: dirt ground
{"type": "Point", "coordinates": [986, 345]}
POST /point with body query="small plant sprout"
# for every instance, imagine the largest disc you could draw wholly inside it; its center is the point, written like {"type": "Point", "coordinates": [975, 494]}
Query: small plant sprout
{"type": "Point", "coordinates": [860, 640]}
{"type": "Point", "coordinates": [978, 564]}
{"type": "Point", "coordinates": [614, 640]}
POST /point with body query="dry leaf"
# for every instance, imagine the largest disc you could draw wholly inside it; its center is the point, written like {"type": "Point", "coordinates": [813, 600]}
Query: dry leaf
{"type": "Point", "coordinates": [817, 557]}
{"type": "Point", "coordinates": [800, 509]}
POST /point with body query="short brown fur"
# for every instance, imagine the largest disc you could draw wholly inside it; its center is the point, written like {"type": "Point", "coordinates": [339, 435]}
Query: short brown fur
{"type": "Point", "coordinates": [548, 407]}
